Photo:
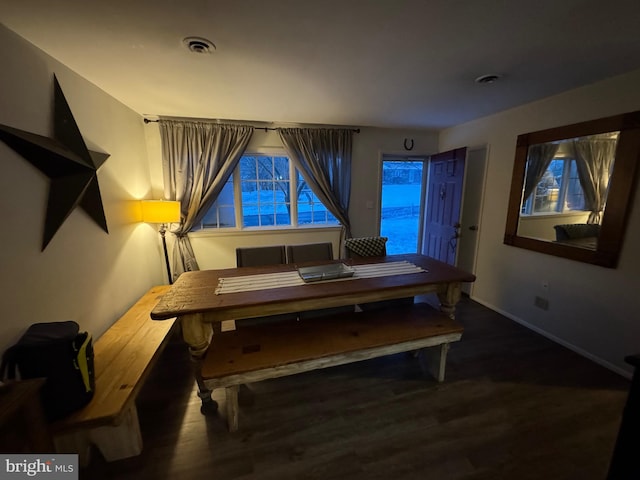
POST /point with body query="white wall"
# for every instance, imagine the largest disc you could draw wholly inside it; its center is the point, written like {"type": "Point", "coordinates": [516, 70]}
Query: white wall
{"type": "Point", "coordinates": [217, 249]}
{"type": "Point", "coordinates": [593, 310]}
{"type": "Point", "coordinates": [84, 274]}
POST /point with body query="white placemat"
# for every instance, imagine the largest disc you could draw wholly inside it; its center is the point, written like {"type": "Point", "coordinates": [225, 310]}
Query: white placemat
{"type": "Point", "coordinates": [266, 281]}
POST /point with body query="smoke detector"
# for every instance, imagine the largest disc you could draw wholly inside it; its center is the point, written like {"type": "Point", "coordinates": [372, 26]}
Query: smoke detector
{"type": "Point", "coordinates": [199, 45]}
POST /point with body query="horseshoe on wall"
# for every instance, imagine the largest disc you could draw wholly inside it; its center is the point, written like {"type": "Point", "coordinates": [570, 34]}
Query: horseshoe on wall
{"type": "Point", "coordinates": [410, 147]}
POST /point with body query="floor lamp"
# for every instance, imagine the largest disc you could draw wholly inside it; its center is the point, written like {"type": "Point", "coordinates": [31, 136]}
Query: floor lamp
{"type": "Point", "coordinates": [162, 212]}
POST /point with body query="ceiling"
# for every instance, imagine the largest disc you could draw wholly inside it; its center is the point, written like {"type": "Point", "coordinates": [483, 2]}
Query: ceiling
{"type": "Point", "coordinates": [385, 63]}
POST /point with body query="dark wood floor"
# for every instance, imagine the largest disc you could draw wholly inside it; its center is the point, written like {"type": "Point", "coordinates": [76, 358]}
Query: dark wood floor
{"type": "Point", "coordinates": [514, 406]}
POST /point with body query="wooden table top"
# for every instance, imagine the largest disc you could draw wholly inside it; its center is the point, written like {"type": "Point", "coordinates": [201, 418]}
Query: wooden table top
{"type": "Point", "coordinates": [193, 292]}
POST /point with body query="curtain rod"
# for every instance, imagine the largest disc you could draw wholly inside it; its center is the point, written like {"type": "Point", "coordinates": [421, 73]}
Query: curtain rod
{"type": "Point", "coordinates": [355, 130]}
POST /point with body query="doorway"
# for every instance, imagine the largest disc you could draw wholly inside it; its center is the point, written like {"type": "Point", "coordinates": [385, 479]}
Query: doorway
{"type": "Point", "coordinates": [412, 205]}
{"type": "Point", "coordinates": [472, 203]}
{"type": "Point", "coordinates": [402, 202]}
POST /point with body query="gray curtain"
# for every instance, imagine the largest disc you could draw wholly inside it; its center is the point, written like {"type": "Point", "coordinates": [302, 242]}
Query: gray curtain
{"type": "Point", "coordinates": [594, 161]}
{"type": "Point", "coordinates": [538, 159]}
{"type": "Point", "coordinates": [197, 160]}
{"type": "Point", "coordinates": [323, 157]}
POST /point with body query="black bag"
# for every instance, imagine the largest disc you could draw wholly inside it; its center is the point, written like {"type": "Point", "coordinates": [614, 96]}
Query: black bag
{"type": "Point", "coordinates": [63, 355]}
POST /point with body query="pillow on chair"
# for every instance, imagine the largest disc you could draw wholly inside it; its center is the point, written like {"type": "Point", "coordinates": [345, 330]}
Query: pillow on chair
{"type": "Point", "coordinates": [366, 247]}
{"type": "Point", "coordinates": [576, 230]}
{"type": "Point", "coordinates": [373, 247]}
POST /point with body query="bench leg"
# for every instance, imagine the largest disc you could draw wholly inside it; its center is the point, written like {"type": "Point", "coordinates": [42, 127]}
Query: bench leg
{"type": "Point", "coordinates": [434, 359]}
{"type": "Point", "coordinates": [75, 442]}
{"type": "Point", "coordinates": [232, 407]}
{"type": "Point", "coordinates": [119, 441]}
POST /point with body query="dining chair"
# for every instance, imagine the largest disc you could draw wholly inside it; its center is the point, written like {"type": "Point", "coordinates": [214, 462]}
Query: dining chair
{"type": "Point", "coordinates": [309, 252]}
{"type": "Point", "coordinates": [366, 247]}
{"type": "Point", "coordinates": [315, 252]}
{"type": "Point", "coordinates": [373, 247]}
{"type": "Point", "coordinates": [259, 257]}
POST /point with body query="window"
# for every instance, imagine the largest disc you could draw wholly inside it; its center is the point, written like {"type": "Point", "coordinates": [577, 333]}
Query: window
{"type": "Point", "coordinates": [266, 191]}
{"type": "Point", "coordinates": [559, 190]}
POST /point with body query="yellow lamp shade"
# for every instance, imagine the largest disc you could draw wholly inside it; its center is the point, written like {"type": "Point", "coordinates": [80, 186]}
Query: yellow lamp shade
{"type": "Point", "coordinates": [160, 211]}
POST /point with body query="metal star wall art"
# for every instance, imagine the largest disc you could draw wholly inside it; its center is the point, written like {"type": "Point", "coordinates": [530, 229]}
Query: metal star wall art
{"type": "Point", "coordinates": [65, 159]}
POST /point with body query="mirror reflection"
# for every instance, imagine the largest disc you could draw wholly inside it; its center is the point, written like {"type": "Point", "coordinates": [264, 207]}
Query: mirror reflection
{"type": "Point", "coordinates": [569, 197]}
{"type": "Point", "coordinates": [565, 189]}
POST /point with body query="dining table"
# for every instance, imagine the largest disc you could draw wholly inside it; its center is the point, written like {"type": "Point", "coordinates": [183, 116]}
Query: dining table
{"type": "Point", "coordinates": [203, 299]}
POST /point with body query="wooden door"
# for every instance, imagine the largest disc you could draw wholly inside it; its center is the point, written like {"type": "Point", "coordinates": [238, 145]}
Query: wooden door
{"type": "Point", "coordinates": [443, 205]}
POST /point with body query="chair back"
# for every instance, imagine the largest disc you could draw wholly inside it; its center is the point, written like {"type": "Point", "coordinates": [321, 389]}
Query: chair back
{"type": "Point", "coordinates": [257, 257]}
{"type": "Point", "coordinates": [260, 256]}
{"type": "Point", "coordinates": [309, 252]}
{"type": "Point", "coordinates": [366, 247]}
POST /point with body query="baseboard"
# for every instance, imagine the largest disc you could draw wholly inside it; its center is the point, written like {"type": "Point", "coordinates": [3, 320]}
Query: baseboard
{"type": "Point", "coordinates": [604, 363]}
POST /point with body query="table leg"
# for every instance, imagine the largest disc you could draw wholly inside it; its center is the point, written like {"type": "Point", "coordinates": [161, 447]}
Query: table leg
{"type": "Point", "coordinates": [232, 407]}
{"type": "Point", "coordinates": [198, 336]}
{"type": "Point", "coordinates": [449, 297]}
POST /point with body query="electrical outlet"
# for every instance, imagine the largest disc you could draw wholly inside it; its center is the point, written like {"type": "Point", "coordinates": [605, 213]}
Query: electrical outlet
{"type": "Point", "coordinates": [541, 302]}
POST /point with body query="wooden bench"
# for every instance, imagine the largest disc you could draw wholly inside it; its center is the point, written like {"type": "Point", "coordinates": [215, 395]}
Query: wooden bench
{"type": "Point", "coordinates": [123, 357]}
{"type": "Point", "coordinates": [260, 352]}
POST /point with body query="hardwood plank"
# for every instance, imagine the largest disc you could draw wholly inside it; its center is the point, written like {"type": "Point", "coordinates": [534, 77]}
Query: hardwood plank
{"type": "Point", "coordinates": [514, 405]}
{"type": "Point", "coordinates": [281, 344]}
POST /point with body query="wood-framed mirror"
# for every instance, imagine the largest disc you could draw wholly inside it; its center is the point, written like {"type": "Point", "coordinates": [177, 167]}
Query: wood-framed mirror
{"type": "Point", "coordinates": [572, 189]}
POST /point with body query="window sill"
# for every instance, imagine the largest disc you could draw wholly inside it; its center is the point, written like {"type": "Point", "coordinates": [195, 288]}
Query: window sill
{"type": "Point", "coordinates": [573, 213]}
{"type": "Point", "coordinates": [233, 232]}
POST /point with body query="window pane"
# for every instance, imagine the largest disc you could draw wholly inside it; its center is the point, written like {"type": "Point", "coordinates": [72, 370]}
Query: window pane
{"type": "Point", "coordinates": [222, 212]}
{"type": "Point", "coordinates": [250, 217]}
{"type": "Point", "coordinates": [248, 165]}
{"type": "Point", "coordinates": [310, 208]}
{"type": "Point", "coordinates": [283, 214]}
{"type": "Point", "coordinates": [548, 189]}
{"type": "Point", "coordinates": [266, 215]}
{"type": "Point", "coordinates": [265, 168]}
{"type": "Point", "coordinates": [265, 195]}
{"type": "Point", "coordinates": [281, 168]}
{"type": "Point", "coordinates": [401, 201]}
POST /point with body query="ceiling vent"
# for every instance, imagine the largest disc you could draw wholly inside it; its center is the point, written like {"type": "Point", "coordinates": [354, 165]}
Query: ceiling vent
{"type": "Point", "coordinates": [487, 78]}
{"type": "Point", "coordinates": [199, 45]}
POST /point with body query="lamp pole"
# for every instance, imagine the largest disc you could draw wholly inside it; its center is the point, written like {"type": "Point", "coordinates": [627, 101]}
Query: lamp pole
{"type": "Point", "coordinates": [163, 231]}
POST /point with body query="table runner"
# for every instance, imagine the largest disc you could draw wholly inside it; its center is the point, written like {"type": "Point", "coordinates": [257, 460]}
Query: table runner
{"type": "Point", "coordinates": [265, 281]}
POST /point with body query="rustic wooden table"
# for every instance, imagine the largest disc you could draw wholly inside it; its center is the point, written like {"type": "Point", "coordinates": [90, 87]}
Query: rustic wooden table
{"type": "Point", "coordinates": [192, 297]}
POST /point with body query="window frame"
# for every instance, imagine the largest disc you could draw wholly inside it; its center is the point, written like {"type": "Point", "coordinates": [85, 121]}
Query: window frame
{"type": "Point", "coordinates": [563, 188]}
{"type": "Point", "coordinates": [239, 226]}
